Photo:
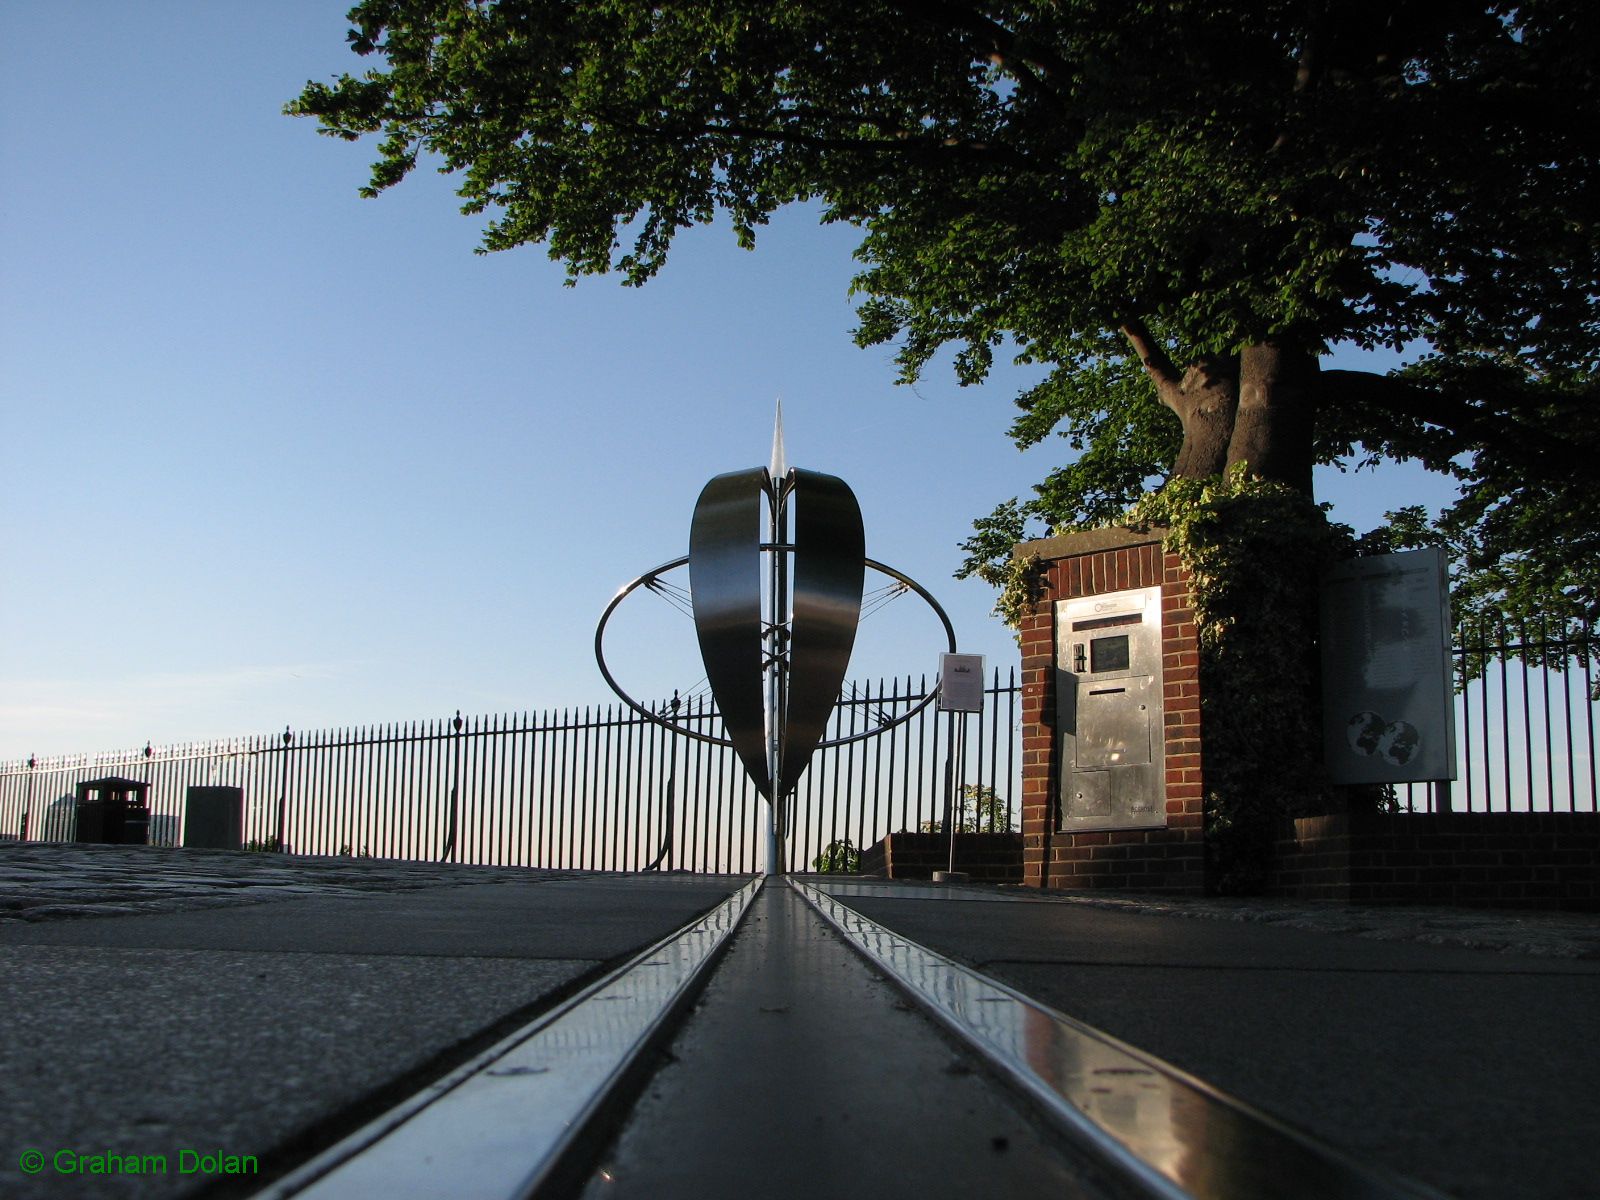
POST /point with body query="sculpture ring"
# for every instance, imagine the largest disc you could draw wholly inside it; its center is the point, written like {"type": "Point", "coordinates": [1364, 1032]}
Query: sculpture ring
{"type": "Point", "coordinates": [779, 547]}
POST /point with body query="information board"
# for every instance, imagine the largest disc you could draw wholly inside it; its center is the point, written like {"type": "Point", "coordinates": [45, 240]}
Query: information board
{"type": "Point", "coordinates": [961, 683]}
{"type": "Point", "coordinates": [1387, 702]}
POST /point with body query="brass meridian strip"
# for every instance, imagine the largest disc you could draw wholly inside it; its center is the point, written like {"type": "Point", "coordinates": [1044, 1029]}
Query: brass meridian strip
{"type": "Point", "coordinates": [496, 1126]}
{"type": "Point", "coordinates": [1162, 1128]}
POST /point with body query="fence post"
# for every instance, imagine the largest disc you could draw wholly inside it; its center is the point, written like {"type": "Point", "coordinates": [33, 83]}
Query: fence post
{"type": "Point", "coordinates": [448, 854]}
{"type": "Point", "coordinates": [283, 792]}
{"type": "Point", "coordinates": [1441, 795]}
{"type": "Point", "coordinates": [27, 805]}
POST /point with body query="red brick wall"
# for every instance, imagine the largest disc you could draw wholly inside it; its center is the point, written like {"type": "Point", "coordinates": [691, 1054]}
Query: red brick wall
{"type": "Point", "coordinates": [1531, 860]}
{"type": "Point", "coordinates": [1169, 859]}
{"type": "Point", "coordinates": [987, 857]}
{"type": "Point", "coordinates": [1494, 860]}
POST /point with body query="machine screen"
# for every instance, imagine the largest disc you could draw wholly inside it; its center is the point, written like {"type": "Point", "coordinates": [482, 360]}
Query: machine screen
{"type": "Point", "coordinates": [1108, 654]}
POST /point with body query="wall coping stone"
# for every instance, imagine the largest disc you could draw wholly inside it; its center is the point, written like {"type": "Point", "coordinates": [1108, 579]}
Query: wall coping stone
{"type": "Point", "coordinates": [1089, 541]}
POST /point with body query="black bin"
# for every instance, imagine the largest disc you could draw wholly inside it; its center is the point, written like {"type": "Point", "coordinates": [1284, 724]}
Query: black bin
{"type": "Point", "coordinates": [213, 817]}
{"type": "Point", "coordinates": [113, 811]}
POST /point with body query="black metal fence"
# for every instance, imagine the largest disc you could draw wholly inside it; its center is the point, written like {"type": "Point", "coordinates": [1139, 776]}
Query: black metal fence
{"type": "Point", "coordinates": [1526, 722]}
{"type": "Point", "coordinates": [602, 788]}
{"type": "Point", "coordinates": [594, 788]}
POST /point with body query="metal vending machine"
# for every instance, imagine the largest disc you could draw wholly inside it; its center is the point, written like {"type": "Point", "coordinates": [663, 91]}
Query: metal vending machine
{"type": "Point", "coordinates": [1109, 711]}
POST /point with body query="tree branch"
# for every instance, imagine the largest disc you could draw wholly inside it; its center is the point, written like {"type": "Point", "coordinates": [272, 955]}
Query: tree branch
{"type": "Point", "coordinates": [1030, 61]}
{"type": "Point", "coordinates": [1308, 70]}
{"type": "Point", "coordinates": [1504, 431]}
{"type": "Point", "coordinates": [1157, 363]}
{"type": "Point", "coordinates": [906, 142]}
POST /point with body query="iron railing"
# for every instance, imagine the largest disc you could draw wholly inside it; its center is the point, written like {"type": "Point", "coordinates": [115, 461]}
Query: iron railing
{"type": "Point", "coordinates": [602, 788]}
{"type": "Point", "coordinates": [598, 788]}
{"type": "Point", "coordinates": [1526, 722]}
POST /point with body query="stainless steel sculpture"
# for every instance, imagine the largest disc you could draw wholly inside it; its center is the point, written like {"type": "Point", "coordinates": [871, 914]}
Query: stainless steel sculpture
{"type": "Point", "coordinates": [775, 669]}
{"type": "Point", "coordinates": [736, 642]}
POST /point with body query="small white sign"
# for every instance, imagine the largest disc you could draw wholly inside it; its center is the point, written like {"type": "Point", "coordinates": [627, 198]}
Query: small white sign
{"type": "Point", "coordinates": [961, 683]}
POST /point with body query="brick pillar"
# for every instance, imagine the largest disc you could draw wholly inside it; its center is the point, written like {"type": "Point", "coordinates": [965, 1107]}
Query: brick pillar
{"type": "Point", "coordinates": [1171, 858]}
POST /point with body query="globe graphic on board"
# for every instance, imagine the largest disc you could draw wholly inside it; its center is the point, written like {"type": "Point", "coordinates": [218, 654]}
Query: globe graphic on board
{"type": "Point", "coordinates": [1395, 742]}
{"type": "Point", "coordinates": [1365, 731]}
{"type": "Point", "coordinates": [1399, 742]}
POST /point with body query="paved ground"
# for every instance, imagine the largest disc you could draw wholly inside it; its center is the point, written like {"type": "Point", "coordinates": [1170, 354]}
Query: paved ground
{"type": "Point", "coordinates": [160, 1000]}
{"type": "Point", "coordinates": [1538, 934]}
{"type": "Point", "coordinates": [163, 1001]}
{"type": "Point", "coordinates": [46, 881]}
{"type": "Point", "coordinates": [1468, 1066]}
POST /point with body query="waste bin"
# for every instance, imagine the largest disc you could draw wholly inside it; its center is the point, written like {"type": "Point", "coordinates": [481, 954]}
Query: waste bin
{"type": "Point", "coordinates": [213, 817]}
{"type": "Point", "coordinates": [113, 811]}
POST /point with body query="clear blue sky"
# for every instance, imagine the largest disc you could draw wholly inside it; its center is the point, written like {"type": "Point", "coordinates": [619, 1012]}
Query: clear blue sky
{"type": "Point", "coordinates": [278, 455]}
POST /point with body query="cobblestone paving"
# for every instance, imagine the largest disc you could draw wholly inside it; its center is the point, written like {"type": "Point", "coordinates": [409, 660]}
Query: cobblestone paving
{"type": "Point", "coordinates": [46, 881]}
{"type": "Point", "coordinates": [1508, 931]}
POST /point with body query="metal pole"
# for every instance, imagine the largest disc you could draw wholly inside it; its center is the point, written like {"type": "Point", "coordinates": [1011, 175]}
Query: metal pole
{"type": "Point", "coordinates": [776, 606]}
{"type": "Point", "coordinates": [283, 792]}
{"type": "Point", "coordinates": [27, 805]}
{"type": "Point", "coordinates": [958, 750]}
{"type": "Point", "coordinates": [664, 850]}
{"type": "Point", "coordinates": [950, 789]}
{"type": "Point", "coordinates": [449, 852]}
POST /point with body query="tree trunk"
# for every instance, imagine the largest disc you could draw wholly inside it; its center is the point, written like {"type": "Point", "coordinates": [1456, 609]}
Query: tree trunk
{"type": "Point", "coordinates": [1205, 402]}
{"type": "Point", "coordinates": [1204, 396]}
{"type": "Point", "coordinates": [1272, 429]}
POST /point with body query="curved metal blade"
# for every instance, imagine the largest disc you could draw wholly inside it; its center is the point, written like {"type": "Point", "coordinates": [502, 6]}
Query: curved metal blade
{"type": "Point", "coordinates": [725, 583]}
{"type": "Point", "coordinates": [829, 569]}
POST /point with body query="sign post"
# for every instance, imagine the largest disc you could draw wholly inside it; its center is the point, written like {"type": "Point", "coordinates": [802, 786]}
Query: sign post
{"type": "Point", "coordinates": [960, 693]}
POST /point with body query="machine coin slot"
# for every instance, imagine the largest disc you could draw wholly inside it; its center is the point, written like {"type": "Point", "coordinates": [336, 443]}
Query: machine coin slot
{"type": "Point", "coordinates": [1078, 661]}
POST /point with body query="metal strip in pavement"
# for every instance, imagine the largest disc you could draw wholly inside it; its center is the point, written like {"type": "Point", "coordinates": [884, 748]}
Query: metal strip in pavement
{"type": "Point", "coordinates": [497, 1125]}
{"type": "Point", "coordinates": [891, 890]}
{"type": "Point", "coordinates": [1159, 1126]}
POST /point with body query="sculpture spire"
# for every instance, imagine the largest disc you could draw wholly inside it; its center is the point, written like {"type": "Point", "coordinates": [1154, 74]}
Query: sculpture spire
{"type": "Point", "coordinates": [779, 466]}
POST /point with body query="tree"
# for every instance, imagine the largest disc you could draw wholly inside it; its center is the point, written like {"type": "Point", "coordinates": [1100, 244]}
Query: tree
{"type": "Point", "coordinates": [838, 857]}
{"type": "Point", "coordinates": [1178, 207]}
{"type": "Point", "coordinates": [1175, 207]}
{"type": "Point", "coordinates": [982, 811]}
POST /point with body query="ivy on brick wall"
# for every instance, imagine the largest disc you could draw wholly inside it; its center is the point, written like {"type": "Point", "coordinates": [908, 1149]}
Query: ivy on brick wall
{"type": "Point", "coordinates": [1253, 550]}
{"type": "Point", "coordinates": [1021, 584]}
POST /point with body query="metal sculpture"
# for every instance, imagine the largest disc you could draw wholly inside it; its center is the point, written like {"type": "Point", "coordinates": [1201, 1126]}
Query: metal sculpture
{"type": "Point", "coordinates": [814, 645]}
{"type": "Point", "coordinates": [775, 670]}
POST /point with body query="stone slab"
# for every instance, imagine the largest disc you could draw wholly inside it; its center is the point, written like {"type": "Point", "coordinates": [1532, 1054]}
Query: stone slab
{"type": "Point", "coordinates": [591, 919]}
{"type": "Point", "coordinates": [1468, 1070]}
{"type": "Point", "coordinates": [48, 881]}
{"type": "Point", "coordinates": [138, 1052]}
{"type": "Point", "coordinates": [163, 1001]}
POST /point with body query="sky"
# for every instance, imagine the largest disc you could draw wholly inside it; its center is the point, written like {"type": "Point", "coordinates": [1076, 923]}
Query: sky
{"type": "Point", "coordinates": [278, 455]}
